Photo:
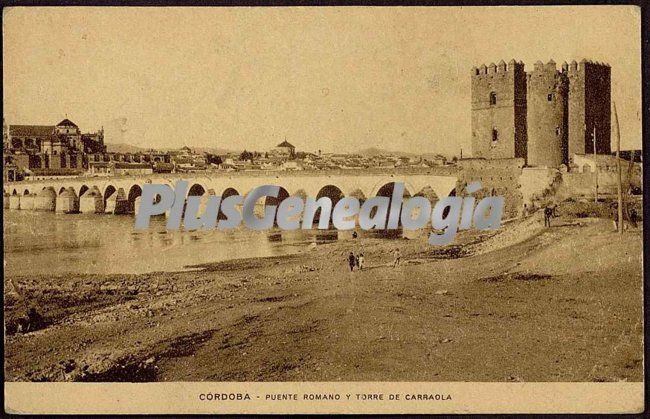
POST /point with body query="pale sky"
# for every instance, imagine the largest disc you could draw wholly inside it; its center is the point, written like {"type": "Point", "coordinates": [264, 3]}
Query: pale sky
{"type": "Point", "coordinates": [335, 79]}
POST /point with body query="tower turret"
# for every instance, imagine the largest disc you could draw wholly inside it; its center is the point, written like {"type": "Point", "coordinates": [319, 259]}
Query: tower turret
{"type": "Point", "coordinates": [589, 107]}
{"type": "Point", "coordinates": [547, 116]}
{"type": "Point", "coordinates": [499, 110]}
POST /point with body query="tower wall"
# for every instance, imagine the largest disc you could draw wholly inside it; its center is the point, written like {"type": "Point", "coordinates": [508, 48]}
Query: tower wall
{"type": "Point", "coordinates": [499, 111]}
{"type": "Point", "coordinates": [547, 116]}
{"type": "Point", "coordinates": [589, 107]}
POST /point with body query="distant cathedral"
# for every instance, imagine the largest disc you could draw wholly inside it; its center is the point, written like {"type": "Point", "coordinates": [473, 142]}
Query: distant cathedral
{"type": "Point", "coordinates": [45, 147]}
{"type": "Point", "coordinates": [544, 116]}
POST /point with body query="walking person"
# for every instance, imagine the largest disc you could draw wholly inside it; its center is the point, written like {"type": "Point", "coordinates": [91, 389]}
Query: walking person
{"type": "Point", "coordinates": [548, 214]}
{"type": "Point", "coordinates": [397, 258]}
{"type": "Point", "coordinates": [361, 261]}
{"type": "Point", "coordinates": [352, 261]}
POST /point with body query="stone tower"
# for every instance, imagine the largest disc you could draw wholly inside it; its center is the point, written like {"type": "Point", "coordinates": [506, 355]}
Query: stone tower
{"type": "Point", "coordinates": [547, 115]}
{"type": "Point", "coordinates": [499, 110]}
{"type": "Point", "coordinates": [589, 107]}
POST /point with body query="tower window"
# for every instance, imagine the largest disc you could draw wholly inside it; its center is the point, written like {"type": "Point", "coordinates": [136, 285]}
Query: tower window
{"type": "Point", "coordinates": [493, 98]}
{"type": "Point", "coordinates": [557, 131]}
{"type": "Point", "coordinates": [495, 136]}
{"type": "Point", "coordinates": [550, 97]}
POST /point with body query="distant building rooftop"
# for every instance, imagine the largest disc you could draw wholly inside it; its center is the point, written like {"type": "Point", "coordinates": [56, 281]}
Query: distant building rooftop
{"type": "Point", "coordinates": [56, 172]}
{"type": "Point", "coordinates": [285, 143]}
{"type": "Point", "coordinates": [125, 165]}
{"type": "Point", "coordinates": [31, 130]}
{"type": "Point", "coordinates": [67, 123]}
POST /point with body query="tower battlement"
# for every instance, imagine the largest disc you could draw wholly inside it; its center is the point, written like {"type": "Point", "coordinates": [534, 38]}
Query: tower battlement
{"type": "Point", "coordinates": [500, 68]}
{"type": "Point", "coordinates": [550, 68]}
{"type": "Point", "coordinates": [585, 64]}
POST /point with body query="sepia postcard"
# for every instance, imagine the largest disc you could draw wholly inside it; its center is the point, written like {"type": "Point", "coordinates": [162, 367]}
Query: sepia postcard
{"type": "Point", "coordinates": [323, 209]}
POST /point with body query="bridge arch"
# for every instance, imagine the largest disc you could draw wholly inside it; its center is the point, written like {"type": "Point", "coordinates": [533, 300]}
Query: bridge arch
{"type": "Point", "coordinates": [110, 186]}
{"type": "Point", "coordinates": [108, 191]}
{"type": "Point", "coordinates": [26, 191]}
{"type": "Point", "coordinates": [135, 192]}
{"type": "Point", "coordinates": [225, 194]}
{"type": "Point", "coordinates": [229, 192]}
{"type": "Point", "coordinates": [196, 190]}
{"type": "Point", "coordinates": [282, 195]}
{"type": "Point", "coordinates": [333, 192]}
{"type": "Point", "coordinates": [387, 190]}
{"type": "Point", "coordinates": [83, 189]}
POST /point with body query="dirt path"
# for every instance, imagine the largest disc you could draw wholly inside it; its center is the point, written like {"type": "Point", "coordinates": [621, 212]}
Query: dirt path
{"type": "Point", "coordinates": [560, 304]}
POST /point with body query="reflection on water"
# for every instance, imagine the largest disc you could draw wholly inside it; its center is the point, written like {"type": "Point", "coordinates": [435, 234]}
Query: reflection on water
{"type": "Point", "coordinates": [43, 242]}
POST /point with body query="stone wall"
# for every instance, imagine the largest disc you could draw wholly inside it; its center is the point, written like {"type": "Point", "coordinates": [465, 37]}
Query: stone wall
{"type": "Point", "coordinates": [582, 183]}
{"type": "Point", "coordinates": [538, 184]}
{"type": "Point", "coordinates": [500, 177]}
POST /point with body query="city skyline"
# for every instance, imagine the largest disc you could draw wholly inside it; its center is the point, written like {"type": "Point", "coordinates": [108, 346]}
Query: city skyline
{"type": "Point", "coordinates": [330, 79]}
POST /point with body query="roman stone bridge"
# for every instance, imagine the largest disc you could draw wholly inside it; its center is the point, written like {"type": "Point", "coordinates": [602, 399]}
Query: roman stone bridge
{"type": "Point", "coordinates": [121, 194]}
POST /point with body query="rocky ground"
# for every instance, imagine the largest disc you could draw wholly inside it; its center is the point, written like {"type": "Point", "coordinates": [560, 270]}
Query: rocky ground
{"type": "Point", "coordinates": [527, 303]}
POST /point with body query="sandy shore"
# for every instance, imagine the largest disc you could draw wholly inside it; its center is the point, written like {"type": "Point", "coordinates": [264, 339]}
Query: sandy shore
{"type": "Point", "coordinates": [531, 304]}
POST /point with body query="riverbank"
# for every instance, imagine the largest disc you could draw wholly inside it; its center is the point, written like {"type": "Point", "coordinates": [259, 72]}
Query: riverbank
{"type": "Point", "coordinates": [524, 304]}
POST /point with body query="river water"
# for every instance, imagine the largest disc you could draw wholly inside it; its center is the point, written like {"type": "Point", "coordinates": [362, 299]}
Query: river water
{"type": "Point", "coordinates": [48, 243]}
